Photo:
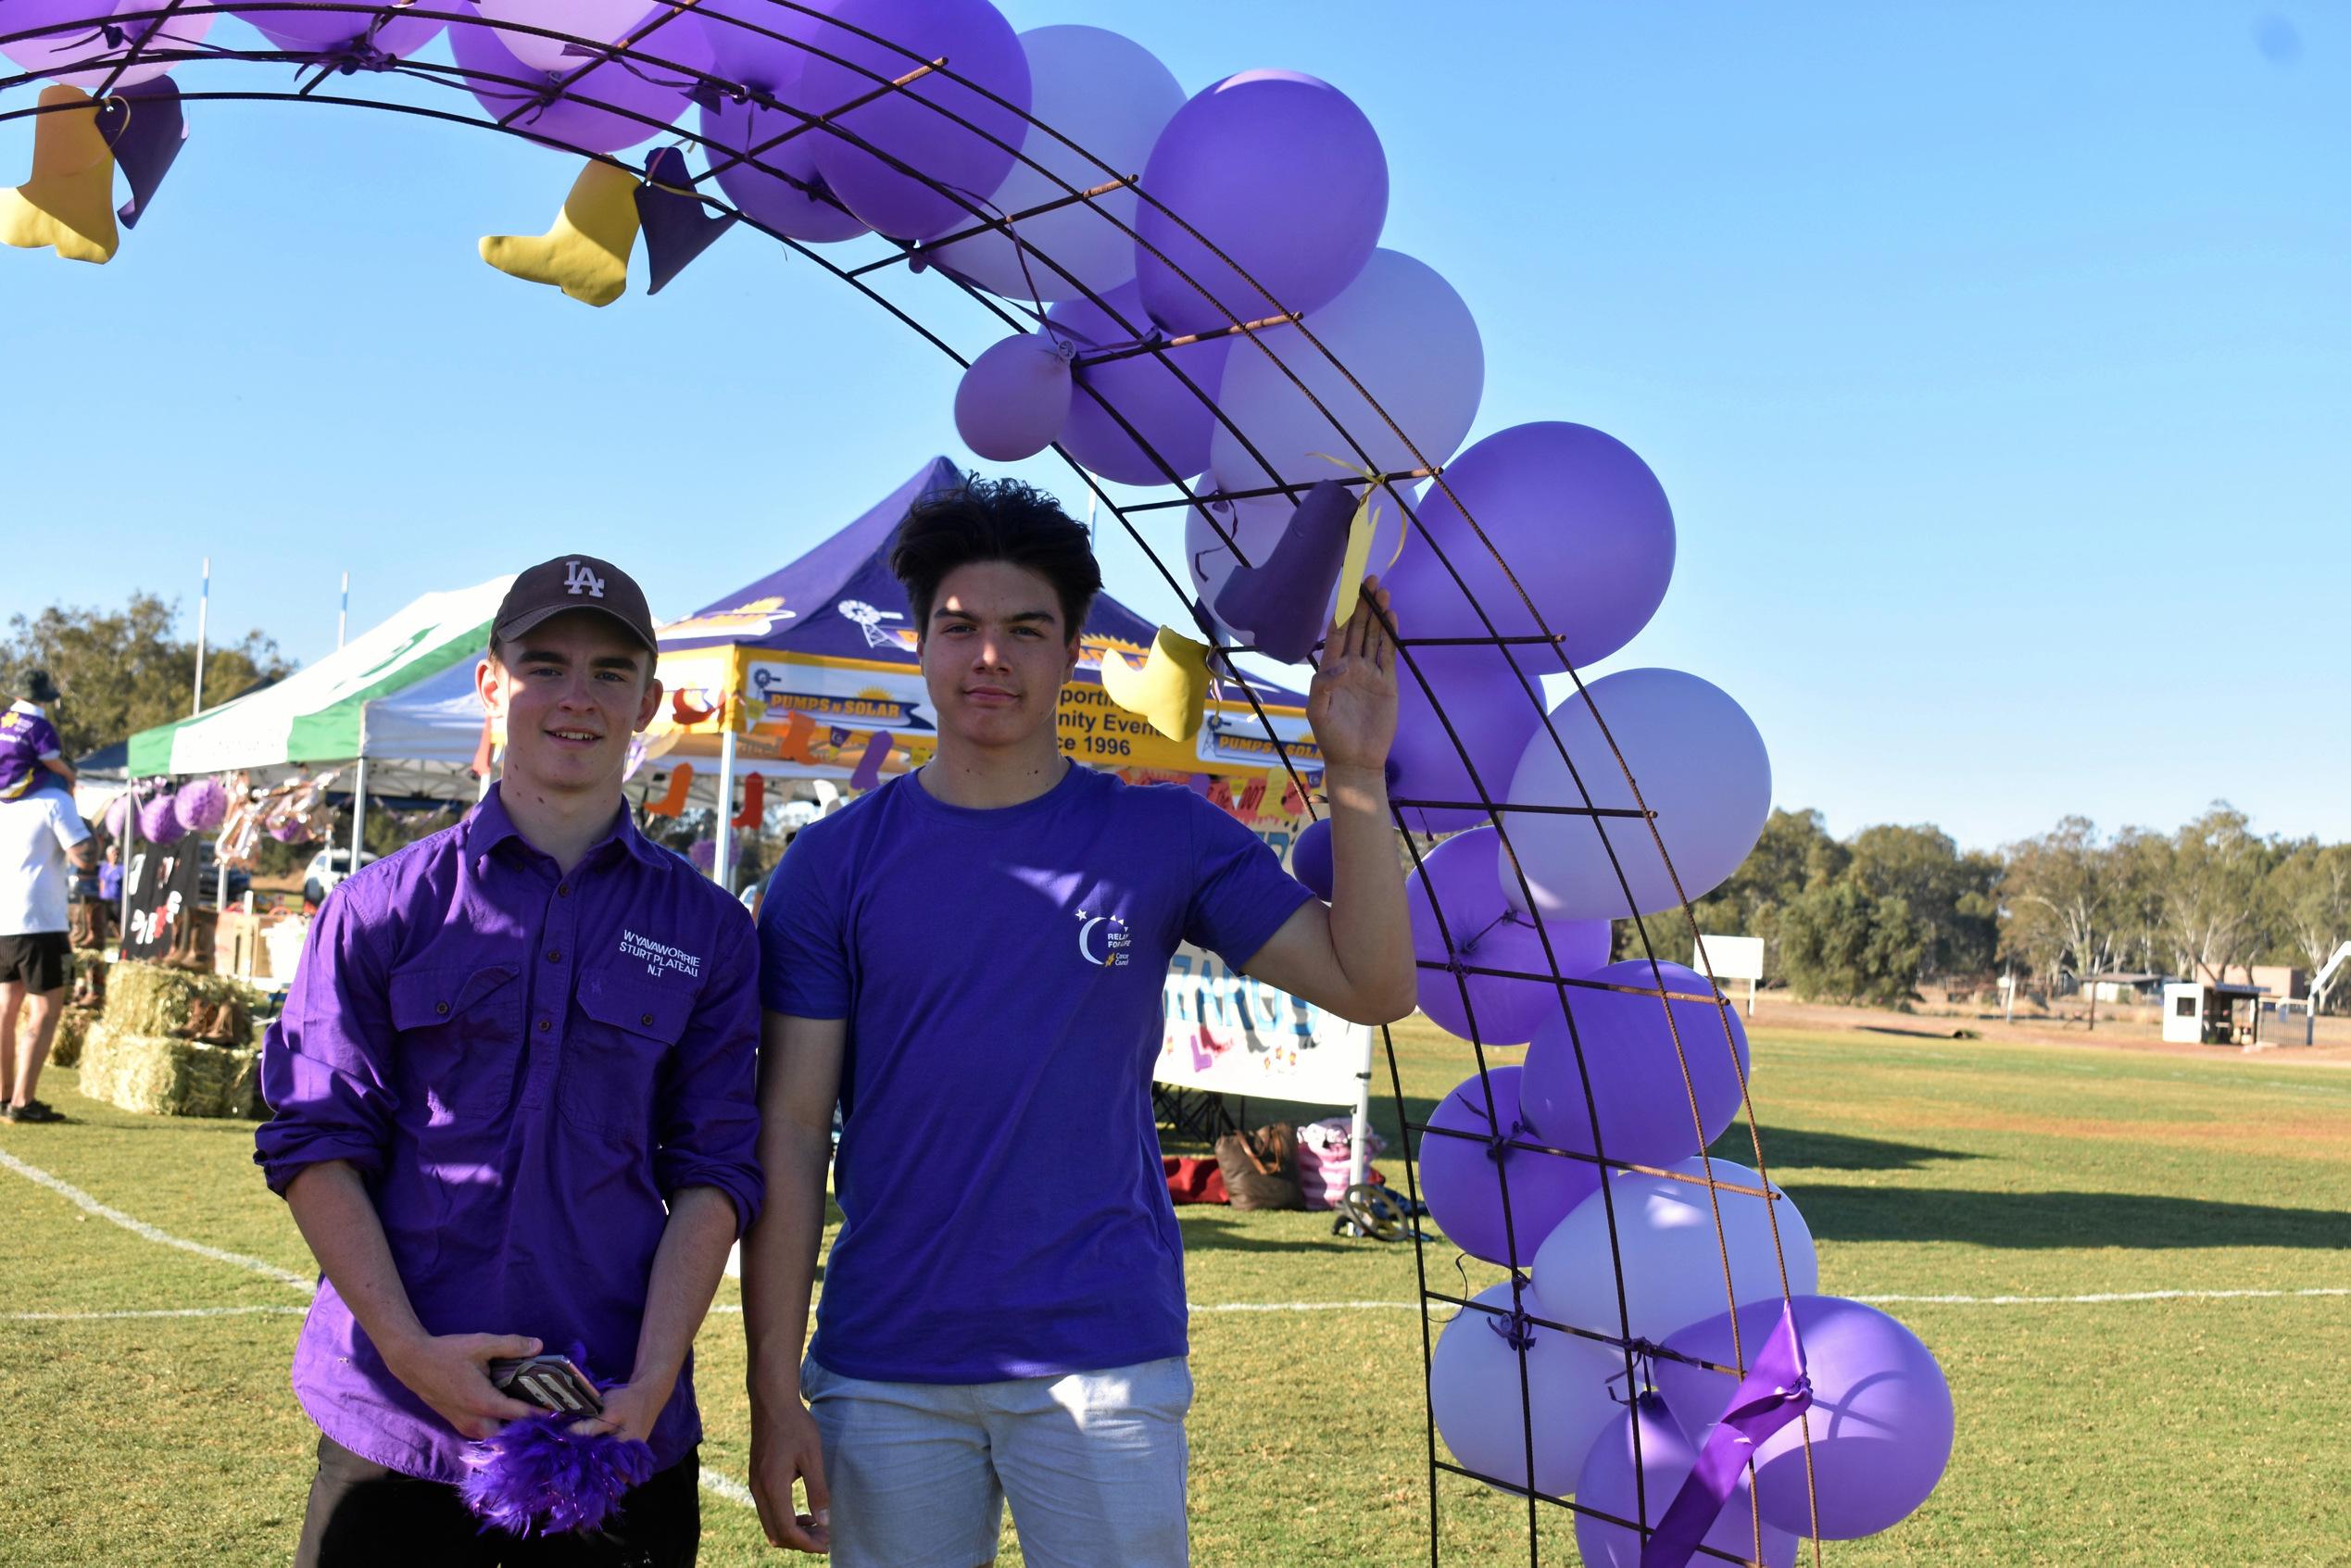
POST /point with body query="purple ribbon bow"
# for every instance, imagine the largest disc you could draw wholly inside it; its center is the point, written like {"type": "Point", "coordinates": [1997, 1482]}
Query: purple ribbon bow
{"type": "Point", "coordinates": [1775, 1392]}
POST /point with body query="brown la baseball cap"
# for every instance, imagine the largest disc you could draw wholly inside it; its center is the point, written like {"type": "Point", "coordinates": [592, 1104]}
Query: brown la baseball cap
{"type": "Point", "coordinates": [574, 583]}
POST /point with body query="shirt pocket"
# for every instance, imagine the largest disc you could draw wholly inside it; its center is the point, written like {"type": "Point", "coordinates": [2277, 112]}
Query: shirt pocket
{"type": "Point", "coordinates": [614, 1066]}
{"type": "Point", "coordinates": [461, 1032]}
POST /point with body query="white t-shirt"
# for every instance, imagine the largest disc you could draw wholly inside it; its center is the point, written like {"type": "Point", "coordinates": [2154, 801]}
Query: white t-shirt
{"type": "Point", "coordinates": [35, 834]}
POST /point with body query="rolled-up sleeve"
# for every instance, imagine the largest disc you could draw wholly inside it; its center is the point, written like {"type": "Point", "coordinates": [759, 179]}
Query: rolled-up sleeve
{"type": "Point", "coordinates": [709, 1116]}
{"type": "Point", "coordinates": [326, 1063]}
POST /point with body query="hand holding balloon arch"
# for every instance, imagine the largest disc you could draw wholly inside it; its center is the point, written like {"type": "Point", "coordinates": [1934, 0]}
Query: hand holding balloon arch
{"type": "Point", "coordinates": [1351, 705]}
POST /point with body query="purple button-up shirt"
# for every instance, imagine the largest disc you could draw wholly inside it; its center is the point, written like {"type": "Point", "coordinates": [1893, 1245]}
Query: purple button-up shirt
{"type": "Point", "coordinates": [523, 1066]}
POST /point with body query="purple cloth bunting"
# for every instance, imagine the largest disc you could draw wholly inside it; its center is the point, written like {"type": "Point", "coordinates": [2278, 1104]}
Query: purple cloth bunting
{"type": "Point", "coordinates": [677, 227]}
{"type": "Point", "coordinates": [1775, 1392]}
{"type": "Point", "coordinates": [1278, 602]}
{"type": "Point", "coordinates": [144, 128]}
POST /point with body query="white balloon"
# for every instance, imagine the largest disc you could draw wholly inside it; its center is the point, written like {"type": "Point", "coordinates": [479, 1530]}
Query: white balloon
{"type": "Point", "coordinates": [1667, 1252]}
{"type": "Point", "coordinates": [1475, 1395]}
{"type": "Point", "coordinates": [1402, 331]}
{"type": "Point", "coordinates": [1112, 97]}
{"type": "Point", "coordinates": [1701, 766]}
{"type": "Point", "coordinates": [1255, 524]}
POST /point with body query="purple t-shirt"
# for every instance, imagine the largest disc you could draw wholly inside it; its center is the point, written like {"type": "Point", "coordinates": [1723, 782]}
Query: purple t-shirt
{"type": "Point", "coordinates": [26, 738]}
{"type": "Point", "coordinates": [523, 1065]}
{"type": "Point", "coordinates": [1004, 1214]}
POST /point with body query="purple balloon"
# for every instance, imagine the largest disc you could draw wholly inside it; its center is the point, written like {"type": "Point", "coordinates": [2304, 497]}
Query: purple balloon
{"type": "Point", "coordinates": [1282, 173]}
{"type": "Point", "coordinates": [1701, 767]}
{"type": "Point", "coordinates": [1880, 1422]}
{"type": "Point", "coordinates": [1146, 389]}
{"type": "Point", "coordinates": [908, 125]}
{"type": "Point", "coordinates": [1579, 522]}
{"type": "Point", "coordinates": [1461, 1178]}
{"type": "Point", "coordinates": [1666, 1458]}
{"type": "Point", "coordinates": [80, 39]}
{"type": "Point", "coordinates": [1483, 1402]}
{"type": "Point", "coordinates": [583, 117]}
{"type": "Point", "coordinates": [1644, 1107]}
{"type": "Point", "coordinates": [1492, 715]}
{"type": "Point", "coordinates": [201, 805]}
{"type": "Point", "coordinates": [158, 822]}
{"type": "Point", "coordinates": [593, 21]}
{"type": "Point", "coordinates": [322, 31]}
{"type": "Point", "coordinates": [739, 131]}
{"type": "Point", "coordinates": [1014, 401]}
{"type": "Point", "coordinates": [1457, 880]}
{"type": "Point", "coordinates": [1310, 859]}
{"type": "Point", "coordinates": [746, 53]}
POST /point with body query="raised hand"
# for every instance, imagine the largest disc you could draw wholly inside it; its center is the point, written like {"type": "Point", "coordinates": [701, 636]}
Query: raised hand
{"type": "Point", "coordinates": [1351, 704]}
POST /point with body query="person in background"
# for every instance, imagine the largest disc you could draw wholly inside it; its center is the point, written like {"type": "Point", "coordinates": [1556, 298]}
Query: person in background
{"type": "Point", "coordinates": [28, 744]}
{"type": "Point", "coordinates": [41, 834]}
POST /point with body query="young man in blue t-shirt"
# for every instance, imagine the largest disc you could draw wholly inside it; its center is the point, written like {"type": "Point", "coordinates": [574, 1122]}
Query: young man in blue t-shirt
{"type": "Point", "coordinates": [969, 959]}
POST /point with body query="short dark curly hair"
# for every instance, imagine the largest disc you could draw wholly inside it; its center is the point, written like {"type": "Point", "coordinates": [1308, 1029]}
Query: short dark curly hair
{"type": "Point", "coordinates": [995, 520]}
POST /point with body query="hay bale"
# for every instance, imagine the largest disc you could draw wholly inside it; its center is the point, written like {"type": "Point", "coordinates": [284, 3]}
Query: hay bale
{"type": "Point", "coordinates": [166, 1076]}
{"type": "Point", "coordinates": [145, 998]}
{"type": "Point", "coordinates": [73, 1025]}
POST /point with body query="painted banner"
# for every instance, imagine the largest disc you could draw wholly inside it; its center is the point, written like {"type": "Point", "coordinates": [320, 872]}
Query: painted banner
{"type": "Point", "coordinates": [1231, 1035]}
{"type": "Point", "coordinates": [163, 900]}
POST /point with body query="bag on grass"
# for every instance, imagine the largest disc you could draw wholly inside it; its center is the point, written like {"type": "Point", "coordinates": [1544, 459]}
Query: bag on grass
{"type": "Point", "coordinates": [1260, 1168]}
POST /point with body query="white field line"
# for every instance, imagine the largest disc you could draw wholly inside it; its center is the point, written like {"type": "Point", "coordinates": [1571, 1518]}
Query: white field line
{"type": "Point", "coordinates": [140, 1228]}
{"type": "Point", "coordinates": [2104, 1298]}
{"type": "Point", "coordinates": [160, 1313]}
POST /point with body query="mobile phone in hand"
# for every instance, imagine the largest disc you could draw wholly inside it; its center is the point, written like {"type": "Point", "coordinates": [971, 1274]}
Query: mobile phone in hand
{"type": "Point", "coordinates": [552, 1383]}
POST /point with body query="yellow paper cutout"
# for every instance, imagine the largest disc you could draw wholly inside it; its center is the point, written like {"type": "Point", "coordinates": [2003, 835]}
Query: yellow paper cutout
{"type": "Point", "coordinates": [585, 253]}
{"type": "Point", "coordinates": [1359, 542]}
{"type": "Point", "coordinates": [1170, 690]}
{"type": "Point", "coordinates": [69, 203]}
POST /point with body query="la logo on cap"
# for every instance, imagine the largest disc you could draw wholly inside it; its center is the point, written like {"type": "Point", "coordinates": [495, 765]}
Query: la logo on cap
{"type": "Point", "coordinates": [578, 577]}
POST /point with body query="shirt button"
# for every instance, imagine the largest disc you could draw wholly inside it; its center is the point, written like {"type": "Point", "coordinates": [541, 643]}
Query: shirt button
{"type": "Point", "coordinates": [555, 955]}
{"type": "Point", "coordinates": [543, 1026]}
{"type": "Point", "coordinates": [562, 890]}
{"type": "Point", "coordinates": [441, 1007]}
{"type": "Point", "coordinates": [646, 1019]}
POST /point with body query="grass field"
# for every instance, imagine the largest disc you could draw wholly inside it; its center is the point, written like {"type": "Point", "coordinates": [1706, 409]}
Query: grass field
{"type": "Point", "coordinates": [2199, 1429]}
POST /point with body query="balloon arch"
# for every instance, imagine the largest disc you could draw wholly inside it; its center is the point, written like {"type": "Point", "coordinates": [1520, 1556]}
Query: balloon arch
{"type": "Point", "coordinates": [1196, 299]}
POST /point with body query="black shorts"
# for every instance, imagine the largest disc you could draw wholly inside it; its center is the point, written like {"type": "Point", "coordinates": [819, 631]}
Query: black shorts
{"type": "Point", "coordinates": [38, 960]}
{"type": "Point", "coordinates": [362, 1516]}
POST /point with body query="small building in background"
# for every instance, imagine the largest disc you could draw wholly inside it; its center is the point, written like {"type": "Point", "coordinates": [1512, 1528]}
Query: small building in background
{"type": "Point", "coordinates": [2198, 1012]}
{"type": "Point", "coordinates": [2125, 987]}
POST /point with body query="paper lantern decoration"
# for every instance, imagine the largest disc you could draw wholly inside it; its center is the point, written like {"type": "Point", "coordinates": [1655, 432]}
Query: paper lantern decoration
{"type": "Point", "coordinates": [201, 805]}
{"type": "Point", "coordinates": [159, 822]}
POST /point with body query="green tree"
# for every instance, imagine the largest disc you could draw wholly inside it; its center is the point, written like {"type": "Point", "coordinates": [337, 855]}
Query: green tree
{"type": "Point", "coordinates": [2311, 892]}
{"type": "Point", "coordinates": [1952, 894]}
{"type": "Point", "coordinates": [2213, 904]}
{"type": "Point", "coordinates": [1838, 942]}
{"type": "Point", "coordinates": [2061, 891]}
{"type": "Point", "coordinates": [1794, 853]}
{"type": "Point", "coordinates": [128, 670]}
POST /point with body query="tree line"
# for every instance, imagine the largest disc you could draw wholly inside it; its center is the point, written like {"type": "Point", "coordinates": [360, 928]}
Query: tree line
{"type": "Point", "coordinates": [1877, 916]}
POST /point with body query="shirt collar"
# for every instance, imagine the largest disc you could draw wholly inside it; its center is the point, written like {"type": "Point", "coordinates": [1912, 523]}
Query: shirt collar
{"type": "Point", "coordinates": [488, 825]}
{"type": "Point", "coordinates": [21, 706]}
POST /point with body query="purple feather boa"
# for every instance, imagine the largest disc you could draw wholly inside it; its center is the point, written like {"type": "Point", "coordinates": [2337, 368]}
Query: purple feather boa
{"type": "Point", "coordinates": [536, 1478]}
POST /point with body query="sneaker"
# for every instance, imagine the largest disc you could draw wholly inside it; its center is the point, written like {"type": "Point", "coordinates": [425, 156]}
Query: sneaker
{"type": "Point", "coordinates": [31, 1110]}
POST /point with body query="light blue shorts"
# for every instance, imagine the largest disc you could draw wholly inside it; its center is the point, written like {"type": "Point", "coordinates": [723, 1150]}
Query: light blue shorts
{"type": "Point", "coordinates": [1092, 1462]}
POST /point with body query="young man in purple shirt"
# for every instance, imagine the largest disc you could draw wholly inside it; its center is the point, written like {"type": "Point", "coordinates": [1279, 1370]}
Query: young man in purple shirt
{"type": "Point", "coordinates": [969, 959]}
{"type": "Point", "coordinates": [515, 1111]}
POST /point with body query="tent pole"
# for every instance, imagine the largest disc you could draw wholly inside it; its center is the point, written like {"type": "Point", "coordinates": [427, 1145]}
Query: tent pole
{"type": "Point", "coordinates": [358, 815]}
{"type": "Point", "coordinates": [723, 835]}
{"type": "Point", "coordinates": [130, 838]}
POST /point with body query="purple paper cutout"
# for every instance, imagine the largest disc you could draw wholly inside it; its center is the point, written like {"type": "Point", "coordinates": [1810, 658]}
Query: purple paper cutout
{"type": "Point", "coordinates": [145, 132]}
{"type": "Point", "coordinates": [677, 226]}
{"type": "Point", "coordinates": [1278, 602]}
{"type": "Point", "coordinates": [1774, 1393]}
{"type": "Point", "coordinates": [869, 767]}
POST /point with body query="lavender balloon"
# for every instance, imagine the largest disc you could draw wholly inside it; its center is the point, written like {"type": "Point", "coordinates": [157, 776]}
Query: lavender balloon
{"type": "Point", "coordinates": [1110, 97]}
{"type": "Point", "coordinates": [158, 822]}
{"type": "Point", "coordinates": [1457, 880]}
{"type": "Point", "coordinates": [201, 805]}
{"type": "Point", "coordinates": [738, 134]}
{"type": "Point", "coordinates": [1881, 1423]}
{"type": "Point", "coordinates": [1666, 1248]}
{"type": "Point", "coordinates": [1400, 335]}
{"type": "Point", "coordinates": [1014, 401]}
{"type": "Point", "coordinates": [1488, 714]}
{"type": "Point", "coordinates": [1580, 524]}
{"type": "Point", "coordinates": [1461, 1178]}
{"type": "Point", "coordinates": [1310, 858]}
{"type": "Point", "coordinates": [1482, 1406]}
{"type": "Point", "coordinates": [739, 34]}
{"type": "Point", "coordinates": [1702, 769]}
{"type": "Point", "coordinates": [118, 814]}
{"type": "Point", "coordinates": [1149, 392]}
{"type": "Point", "coordinates": [82, 38]}
{"type": "Point", "coordinates": [1636, 1075]}
{"type": "Point", "coordinates": [908, 125]}
{"type": "Point", "coordinates": [1213, 529]}
{"type": "Point", "coordinates": [1283, 174]}
{"type": "Point", "coordinates": [611, 106]}
{"type": "Point", "coordinates": [310, 31]}
{"type": "Point", "coordinates": [1606, 1483]}
{"type": "Point", "coordinates": [593, 21]}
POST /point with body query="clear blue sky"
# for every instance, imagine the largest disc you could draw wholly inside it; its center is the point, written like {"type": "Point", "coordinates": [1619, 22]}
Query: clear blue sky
{"type": "Point", "coordinates": [1996, 359]}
